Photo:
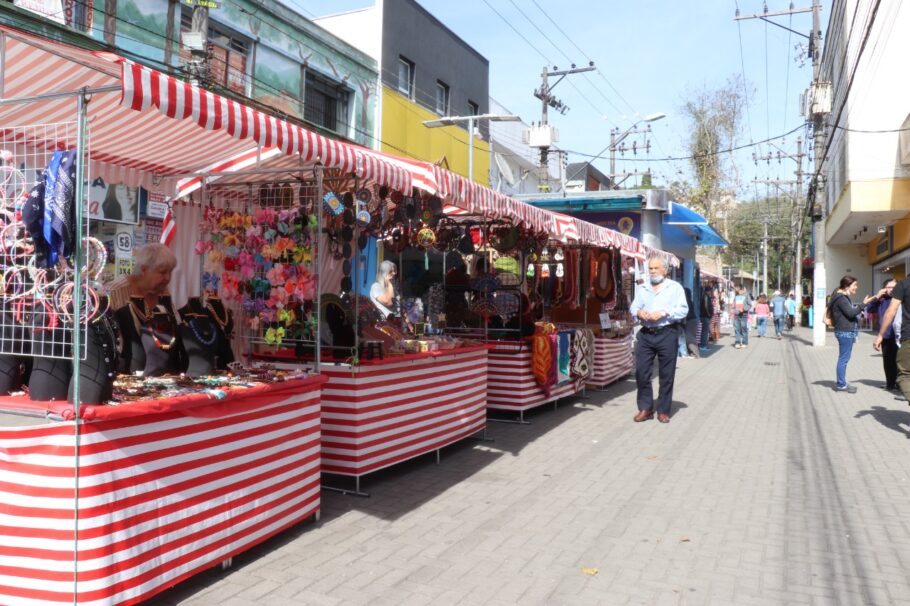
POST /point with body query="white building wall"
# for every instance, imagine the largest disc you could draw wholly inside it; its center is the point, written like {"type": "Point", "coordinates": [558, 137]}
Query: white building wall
{"type": "Point", "coordinates": [361, 28]}
{"type": "Point", "coordinates": [878, 98]}
{"type": "Point", "coordinates": [842, 260]}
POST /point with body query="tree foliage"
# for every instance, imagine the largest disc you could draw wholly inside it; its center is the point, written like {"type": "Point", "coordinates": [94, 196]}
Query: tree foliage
{"type": "Point", "coordinates": [746, 226]}
{"type": "Point", "coordinates": [715, 120]}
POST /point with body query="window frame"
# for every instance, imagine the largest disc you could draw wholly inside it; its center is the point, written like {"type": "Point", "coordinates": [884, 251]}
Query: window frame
{"type": "Point", "coordinates": [408, 90]}
{"type": "Point", "coordinates": [446, 91]}
{"type": "Point", "coordinates": [342, 115]}
{"type": "Point", "coordinates": [473, 108]}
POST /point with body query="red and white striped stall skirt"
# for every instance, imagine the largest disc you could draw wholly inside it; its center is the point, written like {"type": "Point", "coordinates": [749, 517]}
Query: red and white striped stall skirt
{"type": "Point", "coordinates": [511, 384]}
{"type": "Point", "coordinates": [386, 411]}
{"type": "Point", "coordinates": [166, 489]}
{"type": "Point", "coordinates": [613, 360]}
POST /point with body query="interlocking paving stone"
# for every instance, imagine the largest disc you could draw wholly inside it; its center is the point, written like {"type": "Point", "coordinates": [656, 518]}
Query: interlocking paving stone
{"type": "Point", "coordinates": [766, 488]}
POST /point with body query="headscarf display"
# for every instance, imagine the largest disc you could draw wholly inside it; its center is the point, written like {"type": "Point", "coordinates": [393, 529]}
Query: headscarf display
{"type": "Point", "coordinates": [48, 213]}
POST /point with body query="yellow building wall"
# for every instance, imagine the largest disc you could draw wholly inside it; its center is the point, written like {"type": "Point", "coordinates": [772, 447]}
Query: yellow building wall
{"type": "Point", "coordinates": [900, 240]}
{"type": "Point", "coordinates": [404, 134]}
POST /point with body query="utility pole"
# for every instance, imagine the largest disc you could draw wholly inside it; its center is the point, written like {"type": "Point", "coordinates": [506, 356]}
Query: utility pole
{"type": "Point", "coordinates": [764, 247]}
{"type": "Point", "coordinates": [544, 136]}
{"type": "Point", "coordinates": [196, 40]}
{"type": "Point", "coordinates": [617, 144]}
{"type": "Point", "coordinates": [818, 113]}
{"type": "Point", "coordinates": [797, 219]}
{"type": "Point", "coordinates": [818, 335]}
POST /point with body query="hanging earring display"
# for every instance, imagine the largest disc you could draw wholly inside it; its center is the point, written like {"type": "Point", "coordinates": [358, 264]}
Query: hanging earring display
{"type": "Point", "coordinates": [560, 272]}
{"type": "Point", "coordinates": [544, 270]}
{"type": "Point", "coordinates": [530, 270]}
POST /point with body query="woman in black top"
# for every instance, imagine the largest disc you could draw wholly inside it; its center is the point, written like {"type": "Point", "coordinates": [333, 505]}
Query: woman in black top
{"type": "Point", "coordinates": [843, 316]}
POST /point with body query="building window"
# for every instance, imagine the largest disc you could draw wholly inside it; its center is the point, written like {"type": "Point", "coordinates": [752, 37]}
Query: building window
{"type": "Point", "coordinates": [442, 98]}
{"type": "Point", "coordinates": [473, 108]}
{"type": "Point", "coordinates": [228, 54]}
{"type": "Point", "coordinates": [325, 103]}
{"type": "Point", "coordinates": [406, 77]}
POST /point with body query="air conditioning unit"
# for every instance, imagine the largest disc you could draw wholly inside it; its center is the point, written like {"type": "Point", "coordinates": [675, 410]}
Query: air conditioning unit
{"type": "Point", "coordinates": [542, 135]}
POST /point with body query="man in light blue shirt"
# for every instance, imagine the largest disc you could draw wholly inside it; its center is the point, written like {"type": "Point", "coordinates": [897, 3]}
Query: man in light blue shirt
{"type": "Point", "coordinates": [778, 312]}
{"type": "Point", "coordinates": [660, 307]}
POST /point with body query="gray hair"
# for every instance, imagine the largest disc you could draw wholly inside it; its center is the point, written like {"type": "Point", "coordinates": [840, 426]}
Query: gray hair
{"type": "Point", "coordinates": [385, 268]}
{"type": "Point", "coordinates": [662, 260]}
{"type": "Point", "coordinates": [154, 256]}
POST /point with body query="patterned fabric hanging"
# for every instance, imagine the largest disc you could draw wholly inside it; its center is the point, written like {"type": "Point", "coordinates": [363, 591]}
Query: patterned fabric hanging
{"type": "Point", "coordinates": [582, 353]}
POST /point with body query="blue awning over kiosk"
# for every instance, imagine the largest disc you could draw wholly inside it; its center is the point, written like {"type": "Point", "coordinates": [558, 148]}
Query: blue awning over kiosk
{"type": "Point", "coordinates": [685, 220]}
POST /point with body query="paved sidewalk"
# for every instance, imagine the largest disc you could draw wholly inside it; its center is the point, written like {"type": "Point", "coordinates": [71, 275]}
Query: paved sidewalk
{"type": "Point", "coordinates": [766, 488]}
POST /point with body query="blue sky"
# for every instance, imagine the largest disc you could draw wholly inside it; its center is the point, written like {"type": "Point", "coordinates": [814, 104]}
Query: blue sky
{"type": "Point", "coordinates": [650, 54]}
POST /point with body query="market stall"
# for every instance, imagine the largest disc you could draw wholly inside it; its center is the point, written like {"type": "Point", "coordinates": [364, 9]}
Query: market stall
{"type": "Point", "coordinates": [112, 493]}
{"type": "Point", "coordinates": [382, 412]}
{"type": "Point", "coordinates": [166, 488]}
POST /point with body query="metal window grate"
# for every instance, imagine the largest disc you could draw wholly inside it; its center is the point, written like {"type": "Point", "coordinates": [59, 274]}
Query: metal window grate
{"type": "Point", "coordinates": [37, 300]}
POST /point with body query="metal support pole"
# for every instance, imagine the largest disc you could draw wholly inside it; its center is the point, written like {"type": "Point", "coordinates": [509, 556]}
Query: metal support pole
{"type": "Point", "coordinates": [819, 278]}
{"type": "Point", "coordinates": [80, 258]}
{"type": "Point", "coordinates": [471, 148]}
{"type": "Point", "coordinates": [318, 260]}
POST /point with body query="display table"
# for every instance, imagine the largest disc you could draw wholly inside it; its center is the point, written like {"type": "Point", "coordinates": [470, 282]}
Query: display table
{"type": "Point", "coordinates": [166, 489]}
{"type": "Point", "coordinates": [385, 411]}
{"type": "Point", "coordinates": [511, 384]}
{"type": "Point", "coordinates": [613, 360]}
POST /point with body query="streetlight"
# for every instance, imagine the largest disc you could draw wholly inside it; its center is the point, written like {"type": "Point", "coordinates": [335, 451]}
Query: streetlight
{"type": "Point", "coordinates": [453, 120]}
{"type": "Point", "coordinates": [614, 141]}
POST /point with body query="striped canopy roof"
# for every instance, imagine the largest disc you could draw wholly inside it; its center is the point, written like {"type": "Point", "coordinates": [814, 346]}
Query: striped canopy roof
{"type": "Point", "coordinates": [151, 126]}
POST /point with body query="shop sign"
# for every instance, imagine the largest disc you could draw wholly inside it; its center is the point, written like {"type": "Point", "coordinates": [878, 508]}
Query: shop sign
{"type": "Point", "coordinates": [628, 223]}
{"type": "Point", "coordinates": [50, 9]}
{"type": "Point", "coordinates": [157, 207]}
{"type": "Point", "coordinates": [115, 201]}
{"type": "Point", "coordinates": [203, 3]}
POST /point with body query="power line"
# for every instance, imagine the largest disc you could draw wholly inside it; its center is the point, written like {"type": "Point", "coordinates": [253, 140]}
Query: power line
{"type": "Point", "coordinates": [694, 156]}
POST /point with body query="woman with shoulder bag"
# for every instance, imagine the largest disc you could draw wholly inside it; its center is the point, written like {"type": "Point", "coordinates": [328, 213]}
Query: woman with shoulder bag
{"type": "Point", "coordinates": [844, 314]}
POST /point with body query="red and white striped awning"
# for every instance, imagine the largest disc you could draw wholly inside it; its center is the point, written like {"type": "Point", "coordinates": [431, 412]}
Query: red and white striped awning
{"type": "Point", "coordinates": [130, 143]}
{"type": "Point", "coordinates": [191, 123]}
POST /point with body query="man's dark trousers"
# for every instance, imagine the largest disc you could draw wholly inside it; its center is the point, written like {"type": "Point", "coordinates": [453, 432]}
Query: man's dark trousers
{"type": "Point", "coordinates": [889, 359]}
{"type": "Point", "coordinates": [662, 344]}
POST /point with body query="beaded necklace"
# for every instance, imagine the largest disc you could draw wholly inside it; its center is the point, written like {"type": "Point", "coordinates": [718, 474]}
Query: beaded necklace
{"type": "Point", "coordinates": [222, 323]}
{"type": "Point", "coordinates": [202, 340]}
{"type": "Point", "coordinates": [142, 317]}
{"type": "Point", "coordinates": [157, 341]}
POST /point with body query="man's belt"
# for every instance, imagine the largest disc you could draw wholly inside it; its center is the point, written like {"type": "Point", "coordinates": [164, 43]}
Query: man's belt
{"type": "Point", "coordinates": [656, 330]}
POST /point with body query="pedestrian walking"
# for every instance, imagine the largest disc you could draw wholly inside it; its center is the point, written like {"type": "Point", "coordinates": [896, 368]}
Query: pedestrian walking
{"type": "Point", "coordinates": [899, 305]}
{"type": "Point", "coordinates": [844, 314]}
{"type": "Point", "coordinates": [688, 347]}
{"type": "Point", "coordinates": [742, 305]}
{"type": "Point", "coordinates": [707, 312]}
{"type": "Point", "coordinates": [660, 306]}
{"type": "Point", "coordinates": [889, 344]}
{"type": "Point", "coordinates": [791, 312]}
{"type": "Point", "coordinates": [778, 313]}
{"type": "Point", "coordinates": [762, 312]}
{"type": "Point", "coordinates": [718, 305]}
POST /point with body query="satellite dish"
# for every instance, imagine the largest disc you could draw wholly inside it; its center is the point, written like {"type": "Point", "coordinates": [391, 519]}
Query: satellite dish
{"type": "Point", "coordinates": [504, 169]}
